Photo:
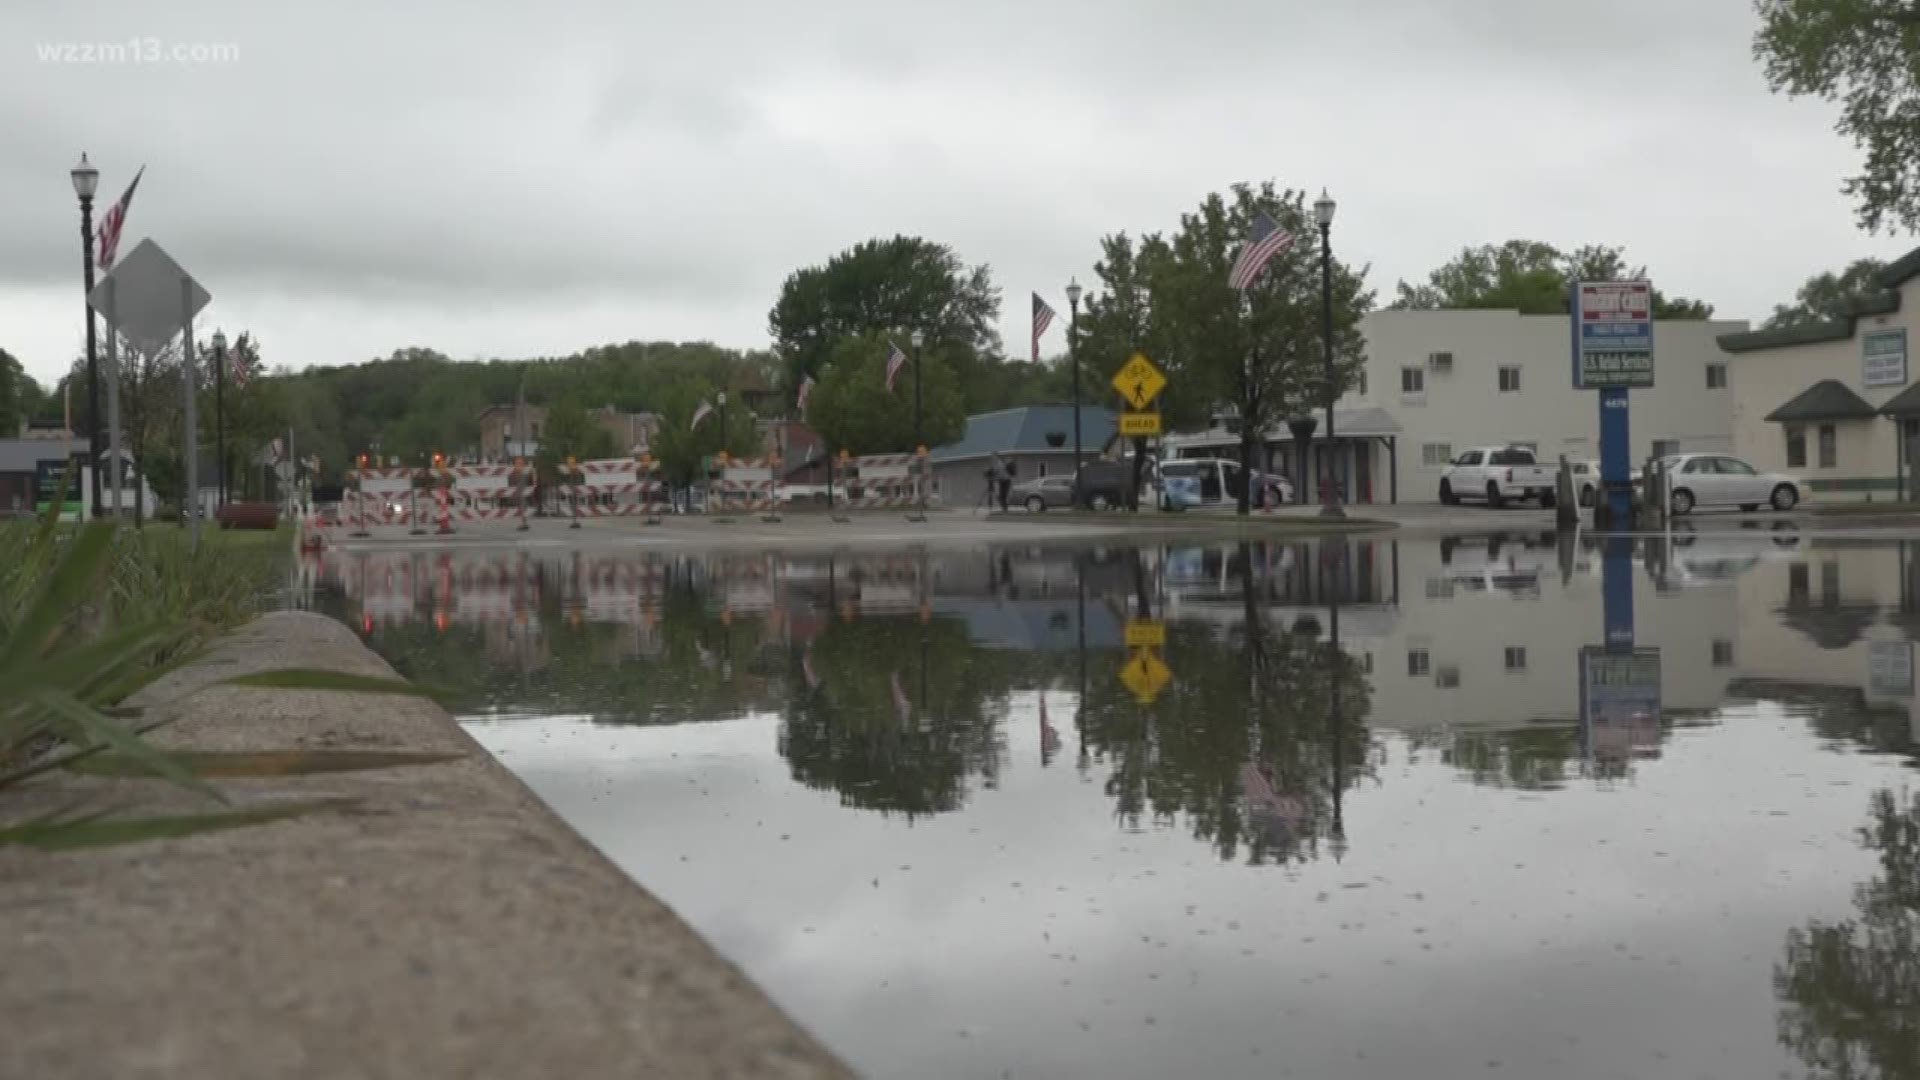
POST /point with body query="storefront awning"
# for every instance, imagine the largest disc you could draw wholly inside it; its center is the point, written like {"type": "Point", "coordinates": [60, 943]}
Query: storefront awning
{"type": "Point", "coordinates": [1828, 399]}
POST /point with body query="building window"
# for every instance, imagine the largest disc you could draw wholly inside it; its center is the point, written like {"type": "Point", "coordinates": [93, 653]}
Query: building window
{"type": "Point", "coordinates": [1447, 678]}
{"type": "Point", "coordinates": [1440, 361]}
{"type": "Point", "coordinates": [1797, 585]}
{"type": "Point", "coordinates": [1435, 454]}
{"type": "Point", "coordinates": [1417, 662]}
{"type": "Point", "coordinates": [1796, 447]}
{"type": "Point", "coordinates": [1367, 665]}
{"type": "Point", "coordinates": [1516, 658]}
{"type": "Point", "coordinates": [1439, 588]}
{"type": "Point", "coordinates": [1413, 380]}
{"type": "Point", "coordinates": [1716, 376]}
{"type": "Point", "coordinates": [1830, 584]}
{"type": "Point", "coordinates": [1829, 446]}
{"type": "Point", "coordinates": [1509, 380]}
{"type": "Point", "coordinates": [1360, 384]}
{"type": "Point", "coordinates": [1722, 653]}
{"type": "Point", "coordinates": [1665, 447]}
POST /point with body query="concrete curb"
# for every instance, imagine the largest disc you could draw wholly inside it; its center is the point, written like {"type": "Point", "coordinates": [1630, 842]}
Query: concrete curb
{"type": "Point", "coordinates": [449, 925]}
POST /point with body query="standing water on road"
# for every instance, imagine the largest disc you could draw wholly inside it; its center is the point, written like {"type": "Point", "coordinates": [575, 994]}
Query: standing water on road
{"type": "Point", "coordinates": [1361, 808]}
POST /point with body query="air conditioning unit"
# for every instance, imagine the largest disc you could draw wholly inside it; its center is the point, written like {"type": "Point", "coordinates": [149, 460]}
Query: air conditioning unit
{"type": "Point", "coordinates": [1440, 362]}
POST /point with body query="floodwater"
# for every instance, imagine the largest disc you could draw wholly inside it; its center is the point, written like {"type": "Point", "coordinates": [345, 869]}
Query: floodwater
{"type": "Point", "coordinates": [1368, 808]}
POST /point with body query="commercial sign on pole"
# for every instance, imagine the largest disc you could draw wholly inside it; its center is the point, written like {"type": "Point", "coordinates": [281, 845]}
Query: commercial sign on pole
{"type": "Point", "coordinates": [1883, 358]}
{"type": "Point", "coordinates": [1613, 347]}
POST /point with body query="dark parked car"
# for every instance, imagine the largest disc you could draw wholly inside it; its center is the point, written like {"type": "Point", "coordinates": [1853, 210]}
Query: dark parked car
{"type": "Point", "coordinates": [1103, 485]}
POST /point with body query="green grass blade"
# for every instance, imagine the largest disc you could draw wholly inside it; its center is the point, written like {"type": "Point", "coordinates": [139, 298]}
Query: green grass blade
{"type": "Point", "coordinates": [83, 669]}
{"type": "Point", "coordinates": [312, 679]}
{"type": "Point", "coordinates": [256, 764]}
{"type": "Point", "coordinates": [67, 588]}
{"type": "Point", "coordinates": [95, 831]}
{"type": "Point", "coordinates": [87, 726]}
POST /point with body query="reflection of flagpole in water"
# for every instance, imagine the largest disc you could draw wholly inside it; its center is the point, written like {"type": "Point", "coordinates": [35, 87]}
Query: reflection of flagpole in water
{"type": "Point", "coordinates": [1080, 702]}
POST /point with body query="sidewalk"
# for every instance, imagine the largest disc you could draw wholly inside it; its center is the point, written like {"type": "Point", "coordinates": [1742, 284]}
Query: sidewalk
{"type": "Point", "coordinates": [447, 925]}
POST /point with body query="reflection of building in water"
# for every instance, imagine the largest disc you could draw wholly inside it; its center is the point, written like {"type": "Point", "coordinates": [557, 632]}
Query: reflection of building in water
{"type": "Point", "coordinates": [1487, 635]}
{"type": "Point", "coordinates": [1834, 626]}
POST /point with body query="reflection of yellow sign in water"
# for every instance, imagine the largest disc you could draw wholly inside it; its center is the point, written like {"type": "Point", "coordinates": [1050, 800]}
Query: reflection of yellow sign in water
{"type": "Point", "coordinates": [1146, 675]}
{"type": "Point", "coordinates": [1139, 381]}
{"type": "Point", "coordinates": [1146, 633]}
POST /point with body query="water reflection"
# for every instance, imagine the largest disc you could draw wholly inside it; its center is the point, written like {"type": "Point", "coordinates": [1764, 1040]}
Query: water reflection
{"type": "Point", "coordinates": [1376, 777]}
{"type": "Point", "coordinates": [1850, 989]}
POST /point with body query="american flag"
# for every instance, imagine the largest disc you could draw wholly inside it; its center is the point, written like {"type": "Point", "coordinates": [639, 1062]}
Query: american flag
{"type": "Point", "coordinates": [114, 221]}
{"type": "Point", "coordinates": [806, 391]}
{"type": "Point", "coordinates": [1043, 317]}
{"type": "Point", "coordinates": [1264, 241]}
{"type": "Point", "coordinates": [895, 361]}
{"type": "Point", "coordinates": [902, 707]}
{"type": "Point", "coordinates": [700, 414]}
{"type": "Point", "coordinates": [239, 361]}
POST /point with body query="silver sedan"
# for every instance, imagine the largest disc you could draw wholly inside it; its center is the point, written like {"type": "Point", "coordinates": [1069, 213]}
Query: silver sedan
{"type": "Point", "coordinates": [1042, 492]}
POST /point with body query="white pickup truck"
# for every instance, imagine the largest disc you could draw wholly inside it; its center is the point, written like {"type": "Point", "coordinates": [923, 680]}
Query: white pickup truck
{"type": "Point", "coordinates": [1497, 474]}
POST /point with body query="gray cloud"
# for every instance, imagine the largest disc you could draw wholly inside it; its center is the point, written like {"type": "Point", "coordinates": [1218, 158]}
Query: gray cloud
{"type": "Point", "coordinates": [565, 172]}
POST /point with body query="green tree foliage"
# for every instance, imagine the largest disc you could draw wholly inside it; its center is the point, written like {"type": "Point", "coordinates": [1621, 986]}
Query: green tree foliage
{"type": "Point", "coordinates": [19, 395]}
{"type": "Point", "coordinates": [1865, 56]}
{"type": "Point", "coordinates": [886, 287]}
{"type": "Point", "coordinates": [1531, 276]}
{"type": "Point", "coordinates": [1827, 296]}
{"type": "Point", "coordinates": [853, 410]}
{"type": "Point", "coordinates": [680, 447]}
{"type": "Point", "coordinates": [1847, 989]}
{"type": "Point", "coordinates": [571, 431]}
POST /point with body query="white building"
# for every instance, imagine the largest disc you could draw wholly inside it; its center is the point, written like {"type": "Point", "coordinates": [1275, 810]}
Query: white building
{"type": "Point", "coordinates": [1438, 382]}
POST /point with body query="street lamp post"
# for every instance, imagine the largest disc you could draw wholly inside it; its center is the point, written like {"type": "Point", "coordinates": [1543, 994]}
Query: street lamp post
{"type": "Point", "coordinates": [919, 340]}
{"type": "Point", "coordinates": [1073, 361]}
{"type": "Point", "coordinates": [86, 178]}
{"type": "Point", "coordinates": [220, 408]}
{"type": "Point", "coordinates": [1323, 213]}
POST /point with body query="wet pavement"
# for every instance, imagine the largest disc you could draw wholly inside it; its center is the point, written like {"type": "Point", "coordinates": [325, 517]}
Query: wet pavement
{"type": "Point", "coordinates": [1466, 806]}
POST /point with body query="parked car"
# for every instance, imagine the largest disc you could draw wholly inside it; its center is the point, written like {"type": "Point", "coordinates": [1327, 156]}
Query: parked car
{"type": "Point", "coordinates": [1218, 481]}
{"type": "Point", "coordinates": [1042, 493]}
{"type": "Point", "coordinates": [1719, 480]}
{"type": "Point", "coordinates": [1586, 479]}
{"type": "Point", "coordinates": [1179, 491]}
{"type": "Point", "coordinates": [1498, 474]}
{"type": "Point", "coordinates": [1103, 485]}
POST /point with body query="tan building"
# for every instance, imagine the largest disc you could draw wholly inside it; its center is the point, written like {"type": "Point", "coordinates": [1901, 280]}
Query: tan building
{"type": "Point", "coordinates": [1831, 401]}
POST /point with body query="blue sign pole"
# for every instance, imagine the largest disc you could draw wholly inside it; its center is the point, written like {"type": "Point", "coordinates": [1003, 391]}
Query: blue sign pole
{"type": "Point", "coordinates": [1616, 589]}
{"type": "Point", "coordinates": [1616, 454]}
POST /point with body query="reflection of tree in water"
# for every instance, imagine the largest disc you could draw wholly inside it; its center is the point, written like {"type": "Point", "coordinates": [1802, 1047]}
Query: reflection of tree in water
{"type": "Point", "coordinates": [1243, 741]}
{"type": "Point", "coordinates": [899, 714]}
{"type": "Point", "coordinates": [1539, 758]}
{"type": "Point", "coordinates": [1850, 991]}
{"type": "Point", "coordinates": [1837, 713]}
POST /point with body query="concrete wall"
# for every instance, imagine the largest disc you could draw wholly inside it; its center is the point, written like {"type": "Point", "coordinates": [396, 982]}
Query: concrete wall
{"type": "Point", "coordinates": [1765, 379]}
{"type": "Point", "coordinates": [1466, 407]}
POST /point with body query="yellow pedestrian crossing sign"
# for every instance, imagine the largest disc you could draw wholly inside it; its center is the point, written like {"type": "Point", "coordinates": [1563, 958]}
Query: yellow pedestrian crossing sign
{"type": "Point", "coordinates": [1146, 675]}
{"type": "Point", "coordinates": [1139, 381]}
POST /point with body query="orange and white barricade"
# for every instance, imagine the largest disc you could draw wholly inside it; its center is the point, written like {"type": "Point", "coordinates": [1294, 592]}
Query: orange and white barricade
{"type": "Point", "coordinates": [879, 482]}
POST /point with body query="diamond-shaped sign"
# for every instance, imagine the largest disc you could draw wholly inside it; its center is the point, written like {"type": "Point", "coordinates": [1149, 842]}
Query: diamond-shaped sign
{"type": "Point", "coordinates": [148, 297]}
{"type": "Point", "coordinates": [1146, 675]}
{"type": "Point", "coordinates": [1139, 381]}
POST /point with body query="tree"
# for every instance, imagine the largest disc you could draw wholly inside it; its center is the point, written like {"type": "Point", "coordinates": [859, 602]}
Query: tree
{"type": "Point", "coordinates": [852, 409]}
{"type": "Point", "coordinates": [19, 396]}
{"type": "Point", "coordinates": [680, 447]}
{"type": "Point", "coordinates": [885, 286]}
{"type": "Point", "coordinates": [1864, 55]}
{"type": "Point", "coordinates": [571, 432]}
{"type": "Point", "coordinates": [1827, 296]}
{"type": "Point", "coordinates": [1261, 354]}
{"type": "Point", "coordinates": [1531, 276]}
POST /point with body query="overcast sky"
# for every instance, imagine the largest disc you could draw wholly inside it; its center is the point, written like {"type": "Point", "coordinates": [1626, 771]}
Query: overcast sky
{"type": "Point", "coordinates": [493, 179]}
